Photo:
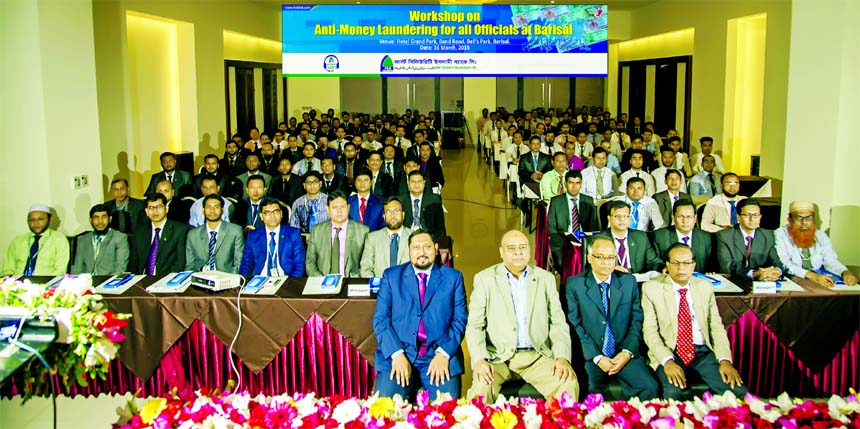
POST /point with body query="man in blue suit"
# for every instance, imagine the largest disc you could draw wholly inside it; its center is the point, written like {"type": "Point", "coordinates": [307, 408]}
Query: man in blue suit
{"type": "Point", "coordinates": [260, 256]}
{"type": "Point", "coordinates": [364, 206]}
{"type": "Point", "coordinates": [604, 308]}
{"type": "Point", "coordinates": [419, 322]}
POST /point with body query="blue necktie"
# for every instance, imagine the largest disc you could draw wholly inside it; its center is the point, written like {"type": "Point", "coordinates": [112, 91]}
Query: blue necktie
{"type": "Point", "coordinates": [393, 247]}
{"type": "Point", "coordinates": [609, 340]}
{"type": "Point", "coordinates": [634, 219]}
{"type": "Point", "coordinates": [271, 253]}
{"type": "Point", "coordinates": [31, 259]}
{"type": "Point", "coordinates": [312, 217]}
{"type": "Point", "coordinates": [211, 262]}
{"type": "Point", "coordinates": [416, 208]}
{"type": "Point", "coordinates": [734, 213]}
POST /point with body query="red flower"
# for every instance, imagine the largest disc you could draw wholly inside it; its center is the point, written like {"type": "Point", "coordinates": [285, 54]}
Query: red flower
{"type": "Point", "coordinates": [111, 326]}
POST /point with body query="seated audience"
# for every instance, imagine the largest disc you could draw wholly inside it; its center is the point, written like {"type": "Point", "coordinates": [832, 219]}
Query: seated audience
{"type": "Point", "coordinates": [274, 249]}
{"type": "Point", "coordinates": [333, 180]}
{"type": "Point", "coordinates": [682, 161]}
{"type": "Point", "coordinates": [210, 168]}
{"type": "Point", "coordinates": [707, 144]}
{"type": "Point", "coordinates": [534, 164]}
{"type": "Point", "coordinates": [430, 165]}
{"type": "Point", "coordinates": [40, 252]}
{"type": "Point", "coordinates": [390, 165]}
{"type": "Point", "coordinates": [573, 162]}
{"type": "Point", "coordinates": [598, 182]}
{"type": "Point", "coordinates": [269, 159]}
{"type": "Point", "coordinates": [177, 178]}
{"type": "Point", "coordinates": [252, 165]}
{"type": "Point", "coordinates": [286, 187]}
{"type": "Point", "coordinates": [670, 195]}
{"type": "Point", "coordinates": [309, 162]}
{"type": "Point", "coordinates": [684, 230]}
{"type": "Point", "coordinates": [157, 246]}
{"type": "Point", "coordinates": [721, 211]}
{"type": "Point", "coordinates": [746, 250]}
{"type": "Point", "coordinates": [635, 253]}
{"type": "Point", "coordinates": [423, 209]}
{"type": "Point", "coordinates": [125, 212]}
{"type": "Point", "coordinates": [178, 210]}
{"type": "Point", "coordinates": [667, 159]}
{"type": "Point", "coordinates": [637, 160]}
{"type": "Point", "coordinates": [552, 182]}
{"type": "Point", "coordinates": [335, 246]}
{"type": "Point", "coordinates": [364, 206]}
{"type": "Point", "coordinates": [247, 212]}
{"type": "Point", "coordinates": [584, 149]}
{"type": "Point", "coordinates": [208, 186]}
{"type": "Point", "coordinates": [568, 213]}
{"type": "Point", "coordinates": [386, 247]}
{"type": "Point", "coordinates": [292, 150]}
{"type": "Point", "coordinates": [349, 164]}
{"type": "Point", "coordinates": [233, 164]}
{"type": "Point", "coordinates": [216, 244]}
{"type": "Point", "coordinates": [310, 208]}
{"type": "Point", "coordinates": [381, 184]}
{"type": "Point", "coordinates": [705, 182]}
{"type": "Point", "coordinates": [102, 251]}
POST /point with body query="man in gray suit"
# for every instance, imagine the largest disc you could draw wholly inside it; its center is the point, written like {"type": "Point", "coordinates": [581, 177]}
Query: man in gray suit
{"type": "Point", "coordinates": [335, 246]}
{"type": "Point", "coordinates": [103, 251]}
{"type": "Point", "coordinates": [178, 178]}
{"type": "Point", "coordinates": [252, 163]}
{"type": "Point", "coordinates": [386, 247]}
{"type": "Point", "coordinates": [215, 245]}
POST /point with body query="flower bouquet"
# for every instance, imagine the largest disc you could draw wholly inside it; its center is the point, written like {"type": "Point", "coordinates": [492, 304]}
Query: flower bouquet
{"type": "Point", "coordinates": [89, 334]}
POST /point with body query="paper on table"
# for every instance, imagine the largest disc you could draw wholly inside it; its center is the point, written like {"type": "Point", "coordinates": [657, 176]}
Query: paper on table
{"type": "Point", "coordinates": [272, 285]}
{"type": "Point", "coordinates": [644, 277]}
{"type": "Point", "coordinates": [101, 289]}
{"type": "Point", "coordinates": [725, 286]}
{"type": "Point", "coordinates": [162, 287]}
{"type": "Point", "coordinates": [845, 288]}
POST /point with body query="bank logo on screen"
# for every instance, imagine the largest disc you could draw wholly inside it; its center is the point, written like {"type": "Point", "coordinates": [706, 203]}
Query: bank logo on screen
{"type": "Point", "coordinates": [387, 64]}
{"type": "Point", "coordinates": [331, 64]}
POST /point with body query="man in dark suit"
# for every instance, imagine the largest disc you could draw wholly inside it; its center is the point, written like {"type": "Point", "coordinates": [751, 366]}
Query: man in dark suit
{"type": "Point", "coordinates": [413, 349]}
{"type": "Point", "coordinates": [685, 231]}
{"type": "Point", "coordinates": [604, 308]}
{"type": "Point", "coordinates": [563, 213]}
{"type": "Point", "coordinates": [364, 206]}
{"type": "Point", "coordinates": [672, 194]}
{"type": "Point", "coordinates": [247, 212]}
{"type": "Point", "coordinates": [430, 165]}
{"type": "Point", "coordinates": [285, 187]}
{"type": "Point", "coordinates": [634, 251]}
{"type": "Point", "coordinates": [335, 246]}
{"type": "Point", "coordinates": [178, 210]}
{"type": "Point", "coordinates": [427, 206]}
{"type": "Point", "coordinates": [534, 164]}
{"type": "Point", "coordinates": [381, 184]}
{"type": "Point", "coordinates": [275, 249]}
{"type": "Point", "coordinates": [391, 166]}
{"type": "Point", "coordinates": [215, 245]}
{"type": "Point", "coordinates": [746, 250]}
{"type": "Point", "coordinates": [125, 212]}
{"type": "Point", "coordinates": [332, 180]}
{"type": "Point", "coordinates": [158, 246]}
{"type": "Point", "coordinates": [210, 168]}
{"type": "Point", "coordinates": [269, 159]}
{"type": "Point", "coordinates": [349, 163]}
{"type": "Point", "coordinates": [177, 178]}
{"type": "Point", "coordinates": [103, 251]}
{"type": "Point", "coordinates": [233, 164]}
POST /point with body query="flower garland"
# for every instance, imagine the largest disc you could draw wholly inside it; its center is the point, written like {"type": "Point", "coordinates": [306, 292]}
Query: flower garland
{"type": "Point", "coordinates": [225, 410]}
{"type": "Point", "coordinates": [89, 335]}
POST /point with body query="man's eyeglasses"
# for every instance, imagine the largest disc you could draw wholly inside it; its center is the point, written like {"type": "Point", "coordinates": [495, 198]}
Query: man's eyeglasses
{"type": "Point", "coordinates": [682, 264]}
{"type": "Point", "coordinates": [750, 215]}
{"type": "Point", "coordinates": [513, 248]}
{"type": "Point", "coordinates": [604, 259]}
{"type": "Point", "coordinates": [271, 212]}
{"type": "Point", "coordinates": [155, 208]}
{"type": "Point", "coordinates": [809, 218]}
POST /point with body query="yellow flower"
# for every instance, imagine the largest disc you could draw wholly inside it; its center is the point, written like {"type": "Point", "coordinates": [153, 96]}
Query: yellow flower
{"type": "Point", "coordinates": [152, 409]}
{"type": "Point", "coordinates": [503, 419]}
{"type": "Point", "coordinates": [382, 407]}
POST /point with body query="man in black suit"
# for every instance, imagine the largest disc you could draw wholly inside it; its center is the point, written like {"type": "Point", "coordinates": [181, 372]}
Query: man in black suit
{"type": "Point", "coordinates": [179, 210]}
{"type": "Point", "coordinates": [390, 165]}
{"type": "Point", "coordinates": [672, 194]}
{"type": "Point", "coordinates": [414, 151]}
{"type": "Point", "coordinates": [285, 187]}
{"type": "Point", "coordinates": [157, 246]}
{"type": "Point", "coordinates": [181, 180]}
{"type": "Point", "coordinates": [533, 164]}
{"type": "Point", "coordinates": [569, 212]}
{"type": "Point", "coordinates": [427, 205]}
{"type": "Point", "coordinates": [382, 185]}
{"type": "Point", "coordinates": [331, 179]}
{"type": "Point", "coordinates": [293, 150]}
{"type": "Point", "coordinates": [745, 250]}
{"type": "Point", "coordinates": [685, 231]}
{"type": "Point", "coordinates": [430, 165]}
{"type": "Point", "coordinates": [125, 212]}
{"type": "Point", "coordinates": [634, 252]}
{"type": "Point", "coordinates": [269, 159]}
{"type": "Point", "coordinates": [233, 164]}
{"type": "Point", "coordinates": [210, 168]}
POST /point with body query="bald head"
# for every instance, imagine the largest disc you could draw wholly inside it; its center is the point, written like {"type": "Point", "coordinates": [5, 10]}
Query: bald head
{"type": "Point", "coordinates": [508, 236]}
{"type": "Point", "coordinates": [515, 251]}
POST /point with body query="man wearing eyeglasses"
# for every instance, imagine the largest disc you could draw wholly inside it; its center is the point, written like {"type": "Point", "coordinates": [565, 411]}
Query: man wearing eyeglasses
{"type": "Point", "coordinates": [684, 332]}
{"type": "Point", "coordinates": [634, 251]}
{"type": "Point", "coordinates": [806, 251]}
{"type": "Point", "coordinates": [517, 327]}
{"type": "Point", "coordinates": [157, 246]}
{"type": "Point", "coordinates": [747, 250]}
{"type": "Point", "coordinates": [275, 249]}
{"type": "Point", "coordinates": [685, 231]}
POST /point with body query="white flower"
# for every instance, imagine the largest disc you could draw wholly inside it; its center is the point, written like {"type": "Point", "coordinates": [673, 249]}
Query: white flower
{"type": "Point", "coordinates": [531, 419]}
{"type": "Point", "coordinates": [468, 416]}
{"type": "Point", "coordinates": [597, 415]}
{"type": "Point", "coordinates": [214, 421]}
{"type": "Point", "coordinates": [102, 352]}
{"type": "Point", "coordinates": [77, 285]}
{"type": "Point", "coordinates": [346, 411]}
{"type": "Point", "coordinates": [403, 425]}
{"type": "Point", "coordinates": [839, 408]}
{"type": "Point", "coordinates": [306, 406]}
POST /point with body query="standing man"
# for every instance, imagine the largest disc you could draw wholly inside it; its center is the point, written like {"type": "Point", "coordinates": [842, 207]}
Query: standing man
{"type": "Point", "coordinates": [569, 212]}
{"type": "Point", "coordinates": [684, 230]}
{"type": "Point", "coordinates": [125, 212]}
{"type": "Point", "coordinates": [605, 311]}
{"type": "Point", "coordinates": [40, 252]}
{"type": "Point", "coordinates": [177, 178]}
{"type": "Point", "coordinates": [158, 246]}
{"type": "Point", "coordinates": [419, 322]}
{"type": "Point", "coordinates": [335, 246]}
{"type": "Point", "coordinates": [669, 196]}
{"type": "Point", "coordinates": [747, 250]}
{"type": "Point", "coordinates": [387, 247]}
{"type": "Point", "coordinates": [216, 245]}
{"type": "Point", "coordinates": [684, 332]}
{"type": "Point", "coordinates": [721, 211]}
{"type": "Point", "coordinates": [274, 249]}
{"type": "Point", "coordinates": [517, 327]}
{"type": "Point", "coordinates": [103, 251]}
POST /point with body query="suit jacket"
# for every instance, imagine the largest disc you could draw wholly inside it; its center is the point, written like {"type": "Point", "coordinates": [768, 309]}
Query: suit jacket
{"type": "Point", "coordinates": [171, 248]}
{"type": "Point", "coordinates": [271, 167]}
{"type": "Point", "coordinates": [180, 179]}
{"type": "Point", "coordinates": [179, 210]}
{"type": "Point", "coordinates": [291, 252]}
{"type": "Point", "coordinates": [432, 216]}
{"type": "Point", "coordinates": [244, 179]}
{"type": "Point", "coordinates": [586, 315]}
{"type": "Point", "coordinates": [526, 167]}
{"type": "Point", "coordinates": [492, 329]}
{"type": "Point", "coordinates": [396, 169]}
{"type": "Point", "coordinates": [318, 259]}
{"type": "Point", "coordinates": [112, 259]}
{"type": "Point", "coordinates": [732, 248]}
{"type": "Point", "coordinates": [399, 311]}
{"type": "Point", "coordinates": [242, 214]}
{"type": "Point", "coordinates": [665, 203]}
{"type": "Point", "coordinates": [134, 214]}
{"type": "Point", "coordinates": [702, 246]}
{"type": "Point", "coordinates": [432, 171]}
{"type": "Point", "coordinates": [372, 213]}
{"type": "Point", "coordinates": [660, 324]}
{"type": "Point", "coordinates": [338, 183]}
{"type": "Point", "coordinates": [229, 246]}
{"type": "Point", "coordinates": [376, 257]}
{"type": "Point", "coordinates": [384, 185]}
{"type": "Point", "coordinates": [237, 168]}
{"type": "Point", "coordinates": [287, 193]}
{"type": "Point", "coordinates": [197, 182]}
{"type": "Point", "coordinates": [559, 220]}
{"type": "Point", "coordinates": [643, 258]}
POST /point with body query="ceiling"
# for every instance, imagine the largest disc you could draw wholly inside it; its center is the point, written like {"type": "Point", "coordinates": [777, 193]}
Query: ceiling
{"type": "Point", "coordinates": [613, 4]}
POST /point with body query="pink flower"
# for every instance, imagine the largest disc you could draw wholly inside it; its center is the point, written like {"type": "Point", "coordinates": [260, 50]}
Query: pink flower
{"type": "Point", "coordinates": [592, 401]}
{"type": "Point", "coordinates": [663, 423]}
{"type": "Point", "coordinates": [280, 416]}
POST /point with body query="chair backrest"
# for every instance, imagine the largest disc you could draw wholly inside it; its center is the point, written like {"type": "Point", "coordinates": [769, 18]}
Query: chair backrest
{"type": "Point", "coordinates": [603, 214]}
{"type": "Point", "coordinates": [287, 212]}
{"type": "Point", "coordinates": [699, 212]}
{"type": "Point", "coordinates": [73, 249]}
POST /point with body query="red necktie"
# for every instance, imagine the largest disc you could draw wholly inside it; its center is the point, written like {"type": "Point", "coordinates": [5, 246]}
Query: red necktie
{"type": "Point", "coordinates": [684, 348]}
{"type": "Point", "coordinates": [361, 208]}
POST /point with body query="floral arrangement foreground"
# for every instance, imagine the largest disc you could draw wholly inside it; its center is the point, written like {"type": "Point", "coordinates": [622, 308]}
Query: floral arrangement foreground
{"type": "Point", "coordinates": [226, 410]}
{"type": "Point", "coordinates": [88, 334]}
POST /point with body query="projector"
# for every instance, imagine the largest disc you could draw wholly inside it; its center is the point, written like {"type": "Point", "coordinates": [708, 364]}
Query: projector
{"type": "Point", "coordinates": [215, 280]}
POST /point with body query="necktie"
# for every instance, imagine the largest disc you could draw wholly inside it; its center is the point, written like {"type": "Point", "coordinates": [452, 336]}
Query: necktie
{"type": "Point", "coordinates": [398, 141]}
{"type": "Point", "coordinates": [170, 178]}
{"type": "Point", "coordinates": [328, 185]}
{"type": "Point", "coordinates": [422, 331]}
{"type": "Point", "coordinates": [599, 183]}
{"type": "Point", "coordinates": [713, 185]}
{"type": "Point", "coordinates": [416, 209]}
{"type": "Point", "coordinates": [634, 218]}
{"type": "Point", "coordinates": [393, 248]}
{"type": "Point", "coordinates": [254, 213]}
{"type": "Point", "coordinates": [334, 268]}
{"type": "Point", "coordinates": [574, 216]}
{"type": "Point", "coordinates": [749, 250]}
{"type": "Point", "coordinates": [312, 216]}
{"type": "Point", "coordinates": [734, 213]}
{"type": "Point", "coordinates": [388, 169]}
{"type": "Point", "coordinates": [609, 338]}
{"type": "Point", "coordinates": [361, 208]}
{"type": "Point", "coordinates": [153, 253]}
{"type": "Point", "coordinates": [211, 262]}
{"type": "Point", "coordinates": [272, 253]}
{"type": "Point", "coordinates": [622, 252]}
{"type": "Point", "coordinates": [31, 259]}
{"type": "Point", "coordinates": [121, 214]}
{"type": "Point", "coordinates": [637, 174]}
{"type": "Point", "coordinates": [97, 247]}
{"type": "Point", "coordinates": [807, 259]}
{"type": "Point", "coordinates": [684, 348]}
{"type": "Point", "coordinates": [686, 240]}
{"type": "Point", "coordinates": [535, 159]}
{"type": "Point", "coordinates": [675, 198]}
{"type": "Point", "coordinates": [349, 169]}
{"type": "Point", "coordinates": [560, 188]}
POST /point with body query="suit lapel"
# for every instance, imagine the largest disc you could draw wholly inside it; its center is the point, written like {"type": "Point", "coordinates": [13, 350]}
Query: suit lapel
{"type": "Point", "coordinates": [616, 296]}
{"type": "Point", "coordinates": [350, 238]}
{"type": "Point", "coordinates": [409, 280]}
{"type": "Point", "coordinates": [219, 238]}
{"type": "Point", "coordinates": [671, 306]}
{"type": "Point", "coordinates": [592, 290]}
{"type": "Point", "coordinates": [739, 242]}
{"type": "Point", "coordinates": [504, 290]}
{"type": "Point", "coordinates": [433, 284]}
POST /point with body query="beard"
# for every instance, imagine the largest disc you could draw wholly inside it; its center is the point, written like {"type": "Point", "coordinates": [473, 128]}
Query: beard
{"type": "Point", "coordinates": [730, 194]}
{"type": "Point", "coordinates": [802, 239]}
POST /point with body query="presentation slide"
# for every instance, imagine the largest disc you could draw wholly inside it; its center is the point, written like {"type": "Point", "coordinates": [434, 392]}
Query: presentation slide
{"type": "Point", "coordinates": [444, 40]}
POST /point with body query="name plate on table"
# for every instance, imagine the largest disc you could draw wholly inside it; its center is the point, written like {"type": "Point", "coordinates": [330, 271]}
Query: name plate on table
{"type": "Point", "coordinates": [358, 290]}
{"type": "Point", "coordinates": [777, 286]}
{"type": "Point", "coordinates": [764, 287]}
